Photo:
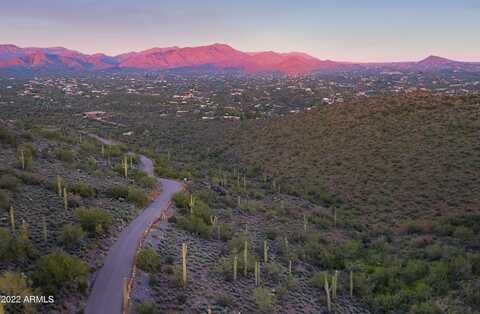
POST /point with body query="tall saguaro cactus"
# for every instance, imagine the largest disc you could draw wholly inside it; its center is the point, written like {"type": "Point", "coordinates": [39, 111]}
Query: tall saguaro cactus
{"type": "Point", "coordinates": [265, 251]}
{"type": "Point", "coordinates": [257, 273]}
{"type": "Point", "coordinates": [125, 167]}
{"type": "Point", "coordinates": [12, 219]}
{"type": "Point", "coordinates": [22, 158]}
{"type": "Point", "coordinates": [184, 264]}
{"type": "Point", "coordinates": [245, 258]}
{"type": "Point", "coordinates": [235, 266]}
{"type": "Point", "coordinates": [351, 284]}
{"type": "Point", "coordinates": [59, 186]}
{"type": "Point", "coordinates": [65, 198]}
{"type": "Point", "coordinates": [327, 292]}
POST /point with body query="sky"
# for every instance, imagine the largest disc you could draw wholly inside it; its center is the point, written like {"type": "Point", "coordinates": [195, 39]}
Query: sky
{"type": "Point", "coordinates": [342, 30]}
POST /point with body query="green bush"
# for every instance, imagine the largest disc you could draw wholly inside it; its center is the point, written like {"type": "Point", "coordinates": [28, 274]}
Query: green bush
{"type": "Point", "coordinates": [4, 200]}
{"type": "Point", "coordinates": [59, 270]}
{"type": "Point", "coordinates": [119, 191]}
{"type": "Point", "coordinates": [264, 299]}
{"type": "Point", "coordinates": [65, 155]}
{"type": "Point", "coordinates": [472, 293]}
{"type": "Point", "coordinates": [72, 235]}
{"type": "Point", "coordinates": [181, 199]}
{"type": "Point", "coordinates": [7, 137]}
{"type": "Point", "coordinates": [194, 224]}
{"type": "Point", "coordinates": [9, 182]}
{"type": "Point", "coordinates": [426, 308]}
{"type": "Point", "coordinates": [131, 194]}
{"type": "Point", "coordinates": [13, 283]}
{"type": "Point", "coordinates": [83, 189]}
{"type": "Point", "coordinates": [138, 197]}
{"type": "Point", "coordinates": [464, 233]}
{"type": "Point", "coordinates": [5, 244]}
{"type": "Point", "coordinates": [93, 220]}
{"type": "Point", "coordinates": [148, 260]}
{"type": "Point", "coordinates": [146, 308]}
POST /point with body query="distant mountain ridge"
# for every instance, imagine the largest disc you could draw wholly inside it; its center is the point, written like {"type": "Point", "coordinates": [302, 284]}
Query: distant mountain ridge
{"type": "Point", "coordinates": [216, 56]}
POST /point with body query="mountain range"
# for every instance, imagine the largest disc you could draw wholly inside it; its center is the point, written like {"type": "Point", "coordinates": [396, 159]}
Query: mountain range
{"type": "Point", "coordinates": [213, 57]}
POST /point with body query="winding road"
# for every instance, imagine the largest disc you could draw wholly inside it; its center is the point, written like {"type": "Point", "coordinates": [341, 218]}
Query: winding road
{"type": "Point", "coordinates": [106, 296]}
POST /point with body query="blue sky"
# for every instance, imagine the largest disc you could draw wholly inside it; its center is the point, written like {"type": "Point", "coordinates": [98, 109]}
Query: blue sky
{"type": "Point", "coordinates": [346, 30]}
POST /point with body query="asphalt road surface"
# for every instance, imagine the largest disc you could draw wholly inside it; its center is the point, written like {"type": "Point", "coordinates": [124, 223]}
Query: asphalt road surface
{"type": "Point", "coordinates": [106, 294]}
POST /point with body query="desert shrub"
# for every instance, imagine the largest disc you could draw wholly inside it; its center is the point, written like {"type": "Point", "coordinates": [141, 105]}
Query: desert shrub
{"type": "Point", "coordinates": [145, 307]}
{"type": "Point", "coordinates": [272, 271]}
{"type": "Point", "coordinates": [5, 244]}
{"type": "Point", "coordinates": [138, 197]}
{"type": "Point", "coordinates": [13, 283]}
{"type": "Point", "coordinates": [194, 224]}
{"type": "Point", "coordinates": [318, 280]}
{"type": "Point", "coordinates": [30, 178]}
{"type": "Point", "coordinates": [463, 233]}
{"type": "Point", "coordinates": [321, 255]}
{"type": "Point", "coordinates": [72, 235]}
{"type": "Point", "coordinates": [181, 199]}
{"type": "Point", "coordinates": [225, 231]}
{"type": "Point", "coordinates": [28, 153]}
{"type": "Point", "coordinates": [426, 308]}
{"type": "Point", "coordinates": [115, 150]}
{"type": "Point", "coordinates": [119, 191]}
{"type": "Point", "coordinates": [438, 277]}
{"type": "Point", "coordinates": [264, 299]}
{"type": "Point", "coordinates": [144, 179]}
{"type": "Point", "coordinates": [7, 137]}
{"type": "Point", "coordinates": [414, 270]}
{"type": "Point", "coordinates": [434, 251]}
{"type": "Point", "coordinates": [89, 146]}
{"type": "Point", "coordinates": [4, 200]}
{"type": "Point", "coordinates": [148, 260]}
{"type": "Point", "coordinates": [131, 194]}
{"type": "Point", "coordinates": [472, 293]}
{"type": "Point", "coordinates": [59, 270]}
{"type": "Point", "coordinates": [459, 268]}
{"type": "Point", "coordinates": [93, 220]}
{"type": "Point", "coordinates": [65, 155]}
{"type": "Point", "coordinates": [9, 182]}
{"type": "Point", "coordinates": [83, 189]}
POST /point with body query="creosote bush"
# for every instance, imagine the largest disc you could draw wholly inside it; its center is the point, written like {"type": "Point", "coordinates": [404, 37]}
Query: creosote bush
{"type": "Point", "coordinates": [93, 220]}
{"type": "Point", "coordinates": [131, 194]}
{"type": "Point", "coordinates": [148, 260]}
{"type": "Point", "coordinates": [59, 270]}
{"type": "Point", "coordinates": [72, 235]}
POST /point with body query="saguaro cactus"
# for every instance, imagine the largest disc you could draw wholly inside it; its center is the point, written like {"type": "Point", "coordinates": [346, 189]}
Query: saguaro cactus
{"type": "Point", "coordinates": [65, 198]}
{"type": "Point", "coordinates": [125, 167]}
{"type": "Point", "coordinates": [289, 266]}
{"type": "Point", "coordinates": [257, 273]}
{"type": "Point", "coordinates": [184, 264]}
{"type": "Point", "coordinates": [24, 231]}
{"type": "Point", "coordinates": [265, 251]}
{"type": "Point", "coordinates": [334, 285]}
{"type": "Point", "coordinates": [305, 223]}
{"type": "Point", "coordinates": [22, 158]}
{"type": "Point", "coordinates": [245, 258]}
{"type": "Point", "coordinates": [327, 293]}
{"type": "Point", "coordinates": [191, 204]}
{"type": "Point", "coordinates": [12, 219]}
{"type": "Point", "coordinates": [59, 186]}
{"type": "Point", "coordinates": [351, 284]}
{"type": "Point", "coordinates": [235, 266]}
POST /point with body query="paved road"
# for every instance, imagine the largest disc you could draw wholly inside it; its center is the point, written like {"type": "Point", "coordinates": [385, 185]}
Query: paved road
{"type": "Point", "coordinates": [106, 294]}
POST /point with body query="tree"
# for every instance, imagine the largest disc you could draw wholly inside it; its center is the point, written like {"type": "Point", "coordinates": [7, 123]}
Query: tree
{"type": "Point", "coordinates": [148, 260]}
